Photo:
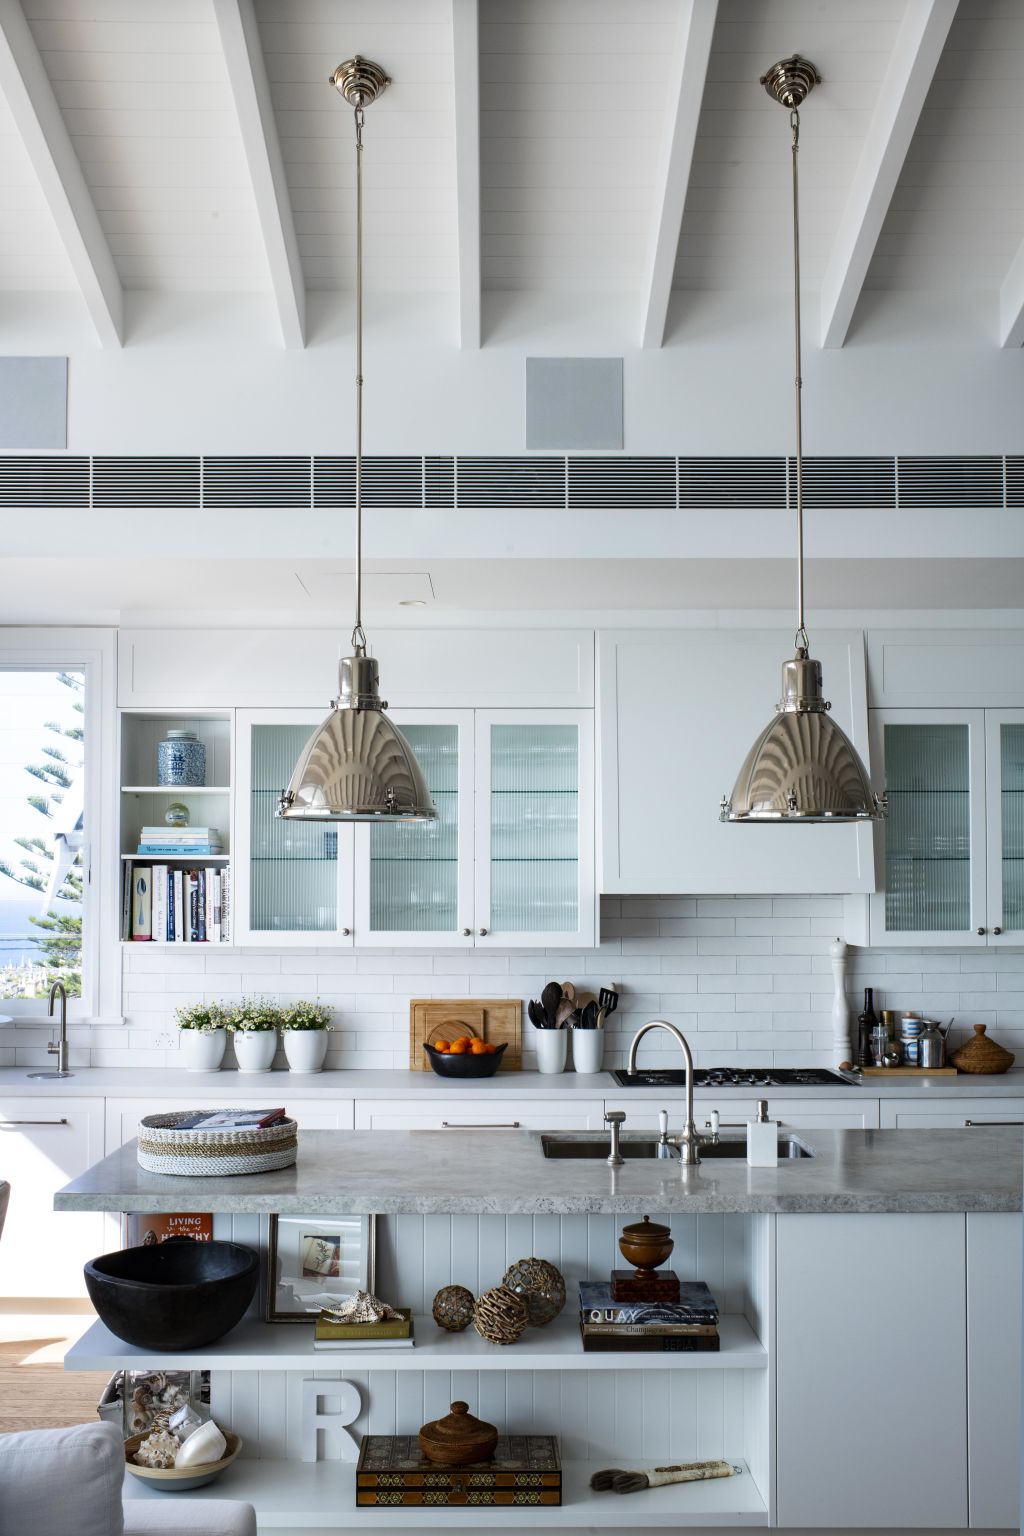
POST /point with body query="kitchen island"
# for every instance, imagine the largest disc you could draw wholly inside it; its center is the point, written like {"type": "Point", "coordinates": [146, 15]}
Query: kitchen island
{"type": "Point", "coordinates": [872, 1285]}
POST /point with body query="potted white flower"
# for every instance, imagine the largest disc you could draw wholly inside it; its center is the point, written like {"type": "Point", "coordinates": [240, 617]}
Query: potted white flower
{"type": "Point", "coordinates": [203, 1036]}
{"type": "Point", "coordinates": [304, 1028]}
{"type": "Point", "coordinates": [253, 1025]}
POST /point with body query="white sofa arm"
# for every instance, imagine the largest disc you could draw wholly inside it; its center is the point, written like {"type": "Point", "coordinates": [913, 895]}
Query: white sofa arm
{"type": "Point", "coordinates": [204, 1517]}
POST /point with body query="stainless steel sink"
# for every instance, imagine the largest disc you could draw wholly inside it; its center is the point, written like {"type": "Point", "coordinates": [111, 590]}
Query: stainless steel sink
{"type": "Point", "coordinates": [733, 1148]}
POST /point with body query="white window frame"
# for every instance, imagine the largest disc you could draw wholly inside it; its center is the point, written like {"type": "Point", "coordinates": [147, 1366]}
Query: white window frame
{"type": "Point", "coordinates": [92, 652]}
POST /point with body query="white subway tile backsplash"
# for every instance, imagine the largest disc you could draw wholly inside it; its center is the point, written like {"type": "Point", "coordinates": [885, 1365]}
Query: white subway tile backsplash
{"type": "Point", "coordinates": [748, 978]}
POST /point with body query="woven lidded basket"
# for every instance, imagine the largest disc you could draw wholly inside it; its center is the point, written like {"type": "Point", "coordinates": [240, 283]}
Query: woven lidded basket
{"type": "Point", "coordinates": [163, 1148]}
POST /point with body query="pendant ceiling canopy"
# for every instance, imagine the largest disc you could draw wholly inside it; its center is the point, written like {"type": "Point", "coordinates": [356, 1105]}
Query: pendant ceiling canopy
{"type": "Point", "coordinates": [803, 767]}
{"type": "Point", "coordinates": [357, 766]}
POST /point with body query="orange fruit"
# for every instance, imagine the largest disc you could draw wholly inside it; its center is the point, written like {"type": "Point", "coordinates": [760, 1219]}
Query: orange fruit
{"type": "Point", "coordinates": [490, 1048]}
{"type": "Point", "coordinates": [441, 1045]}
{"type": "Point", "coordinates": [478, 1048]}
{"type": "Point", "coordinates": [459, 1048]}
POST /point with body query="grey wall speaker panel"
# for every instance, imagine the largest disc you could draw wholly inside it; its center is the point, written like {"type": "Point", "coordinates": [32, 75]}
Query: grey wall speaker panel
{"type": "Point", "coordinates": [33, 402]}
{"type": "Point", "coordinates": [574, 402]}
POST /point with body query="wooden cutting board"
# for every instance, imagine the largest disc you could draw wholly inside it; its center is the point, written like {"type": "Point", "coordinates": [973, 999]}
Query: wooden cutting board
{"type": "Point", "coordinates": [499, 1020]}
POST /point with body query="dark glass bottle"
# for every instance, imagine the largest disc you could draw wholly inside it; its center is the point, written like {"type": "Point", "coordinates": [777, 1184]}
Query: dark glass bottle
{"type": "Point", "coordinates": [865, 1024]}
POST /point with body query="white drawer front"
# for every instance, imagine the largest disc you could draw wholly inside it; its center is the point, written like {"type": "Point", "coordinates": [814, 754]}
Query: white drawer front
{"type": "Point", "coordinates": [45, 1142]}
{"type": "Point", "coordinates": [463, 1113]}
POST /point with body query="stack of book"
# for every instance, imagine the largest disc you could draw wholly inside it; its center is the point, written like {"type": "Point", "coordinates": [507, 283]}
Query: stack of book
{"type": "Point", "coordinates": [197, 842]}
{"type": "Point", "coordinates": [395, 1332]}
{"type": "Point", "coordinates": [689, 1325]}
{"type": "Point", "coordinates": [171, 905]}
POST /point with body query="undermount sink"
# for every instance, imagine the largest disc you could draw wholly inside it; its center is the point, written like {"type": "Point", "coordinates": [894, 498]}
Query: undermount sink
{"type": "Point", "coordinates": [732, 1147]}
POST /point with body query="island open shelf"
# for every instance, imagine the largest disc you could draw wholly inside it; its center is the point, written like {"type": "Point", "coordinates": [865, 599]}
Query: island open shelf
{"type": "Point", "coordinates": [296, 1495]}
{"type": "Point", "coordinates": [259, 1346]}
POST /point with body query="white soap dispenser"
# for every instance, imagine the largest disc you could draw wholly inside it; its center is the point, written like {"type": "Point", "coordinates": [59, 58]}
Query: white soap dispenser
{"type": "Point", "coordinates": [762, 1139]}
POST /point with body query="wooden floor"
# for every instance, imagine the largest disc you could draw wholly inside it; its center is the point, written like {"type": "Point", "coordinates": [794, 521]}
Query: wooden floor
{"type": "Point", "coordinates": [35, 1390]}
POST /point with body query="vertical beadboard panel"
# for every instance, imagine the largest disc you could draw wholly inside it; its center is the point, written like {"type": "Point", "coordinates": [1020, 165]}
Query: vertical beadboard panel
{"type": "Point", "coordinates": [407, 1247]}
{"type": "Point", "coordinates": [573, 1401]}
{"type": "Point", "coordinates": [271, 1389]}
{"type": "Point", "coordinates": [575, 1264]}
{"type": "Point", "coordinates": [488, 1262]}
{"type": "Point", "coordinates": [518, 1242]}
{"type": "Point", "coordinates": [657, 1429]}
{"type": "Point", "coordinates": [683, 1414]}
{"type": "Point", "coordinates": [437, 1253]}
{"type": "Point", "coordinates": [628, 1387]}
{"type": "Point", "coordinates": [465, 1255]}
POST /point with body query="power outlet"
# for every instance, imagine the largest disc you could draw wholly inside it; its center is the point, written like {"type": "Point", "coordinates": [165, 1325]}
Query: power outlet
{"type": "Point", "coordinates": [166, 1041]}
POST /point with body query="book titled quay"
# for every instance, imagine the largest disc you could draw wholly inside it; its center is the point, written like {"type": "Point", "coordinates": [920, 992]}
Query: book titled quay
{"type": "Point", "coordinates": [686, 1326]}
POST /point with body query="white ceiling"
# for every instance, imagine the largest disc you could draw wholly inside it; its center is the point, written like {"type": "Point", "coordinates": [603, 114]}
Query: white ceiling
{"type": "Point", "coordinates": [578, 105]}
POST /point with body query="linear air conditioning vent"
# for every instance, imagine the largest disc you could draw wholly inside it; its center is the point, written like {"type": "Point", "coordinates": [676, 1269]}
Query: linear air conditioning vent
{"type": "Point", "coordinates": [732, 482]}
{"type": "Point", "coordinates": [1015, 480]}
{"type": "Point", "coordinates": [145, 482]}
{"type": "Point", "coordinates": [256, 480]}
{"type": "Point", "coordinates": [523, 481]}
{"type": "Point", "coordinates": [950, 482]}
{"type": "Point", "coordinates": [439, 482]}
{"type": "Point", "coordinates": [44, 481]}
{"type": "Point", "coordinates": [622, 482]}
{"type": "Point", "coordinates": [837, 482]}
{"type": "Point", "coordinates": [388, 481]}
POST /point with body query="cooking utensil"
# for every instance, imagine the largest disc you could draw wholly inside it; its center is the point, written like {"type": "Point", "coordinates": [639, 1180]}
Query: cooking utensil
{"type": "Point", "coordinates": [588, 1018]}
{"type": "Point", "coordinates": [608, 1001]}
{"type": "Point", "coordinates": [550, 999]}
{"type": "Point", "coordinates": [535, 1014]}
{"type": "Point", "coordinates": [569, 991]}
{"type": "Point", "coordinates": [615, 1480]}
{"type": "Point", "coordinates": [564, 1012]}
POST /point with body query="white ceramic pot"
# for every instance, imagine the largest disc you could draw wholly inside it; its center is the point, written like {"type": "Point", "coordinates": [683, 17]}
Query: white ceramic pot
{"type": "Point", "coordinates": [587, 1050]}
{"type": "Point", "coordinates": [551, 1049]}
{"type": "Point", "coordinates": [203, 1049]}
{"type": "Point", "coordinates": [305, 1049]}
{"type": "Point", "coordinates": [255, 1049]}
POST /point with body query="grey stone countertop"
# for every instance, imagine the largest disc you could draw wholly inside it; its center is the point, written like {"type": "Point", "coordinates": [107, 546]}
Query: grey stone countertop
{"type": "Point", "coordinates": [505, 1172]}
{"type": "Point", "coordinates": [280, 1086]}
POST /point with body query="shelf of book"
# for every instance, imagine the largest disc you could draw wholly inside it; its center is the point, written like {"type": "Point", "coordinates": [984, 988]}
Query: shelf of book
{"type": "Point", "coordinates": [255, 1346]}
{"type": "Point", "coordinates": [176, 858]}
{"type": "Point", "coordinates": [296, 1494]}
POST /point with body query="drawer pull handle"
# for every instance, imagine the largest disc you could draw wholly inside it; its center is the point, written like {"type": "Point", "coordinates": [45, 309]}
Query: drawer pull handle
{"type": "Point", "coordinates": [994, 1122]}
{"type": "Point", "coordinates": [10, 1124]}
{"type": "Point", "coordinates": [480, 1125]}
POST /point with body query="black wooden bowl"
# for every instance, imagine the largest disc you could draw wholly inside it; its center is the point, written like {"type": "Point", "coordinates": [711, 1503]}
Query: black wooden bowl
{"type": "Point", "coordinates": [465, 1066]}
{"type": "Point", "coordinates": [174, 1295]}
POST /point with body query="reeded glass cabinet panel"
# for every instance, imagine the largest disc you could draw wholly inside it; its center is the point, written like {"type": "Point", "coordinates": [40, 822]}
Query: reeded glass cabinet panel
{"type": "Point", "coordinates": [534, 800]}
{"type": "Point", "coordinates": [414, 869]}
{"type": "Point", "coordinates": [293, 865]}
{"type": "Point", "coordinates": [934, 835]}
{"type": "Point", "coordinates": [1011, 781]}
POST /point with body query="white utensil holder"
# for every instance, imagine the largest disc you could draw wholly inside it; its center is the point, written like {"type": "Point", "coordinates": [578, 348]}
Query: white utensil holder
{"type": "Point", "coordinates": [551, 1049]}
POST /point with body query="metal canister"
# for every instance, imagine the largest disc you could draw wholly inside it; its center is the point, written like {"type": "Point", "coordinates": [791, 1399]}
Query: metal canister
{"type": "Point", "coordinates": [932, 1047]}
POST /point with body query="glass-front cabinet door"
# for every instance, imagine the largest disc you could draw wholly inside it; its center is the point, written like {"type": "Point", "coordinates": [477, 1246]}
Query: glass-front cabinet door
{"type": "Point", "coordinates": [534, 828]}
{"type": "Point", "coordinates": [935, 835]}
{"type": "Point", "coordinates": [414, 882]}
{"type": "Point", "coordinates": [1004, 738]}
{"type": "Point", "coordinates": [294, 878]}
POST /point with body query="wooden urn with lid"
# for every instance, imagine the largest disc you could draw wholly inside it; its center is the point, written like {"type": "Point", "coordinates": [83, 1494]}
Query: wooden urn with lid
{"type": "Point", "coordinates": [459, 1439]}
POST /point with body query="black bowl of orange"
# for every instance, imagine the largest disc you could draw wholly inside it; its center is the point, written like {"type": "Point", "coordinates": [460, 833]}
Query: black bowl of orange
{"type": "Point", "coordinates": [468, 1056]}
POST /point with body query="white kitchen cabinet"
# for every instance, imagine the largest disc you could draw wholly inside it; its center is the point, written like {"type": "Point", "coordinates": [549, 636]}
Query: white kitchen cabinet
{"type": "Point", "coordinates": [952, 847]}
{"type": "Point", "coordinates": [462, 1112]}
{"type": "Point", "coordinates": [678, 712]}
{"type": "Point", "coordinates": [872, 1358]}
{"type": "Point", "coordinates": [848, 1114]}
{"type": "Point", "coordinates": [44, 1142]}
{"type": "Point", "coordinates": [993, 1369]}
{"type": "Point", "coordinates": [123, 1115]}
{"type": "Point", "coordinates": [950, 1112]}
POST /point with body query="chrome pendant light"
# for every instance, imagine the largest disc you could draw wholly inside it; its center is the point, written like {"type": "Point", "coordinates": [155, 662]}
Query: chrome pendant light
{"type": "Point", "coordinates": [357, 766]}
{"type": "Point", "coordinates": [802, 767]}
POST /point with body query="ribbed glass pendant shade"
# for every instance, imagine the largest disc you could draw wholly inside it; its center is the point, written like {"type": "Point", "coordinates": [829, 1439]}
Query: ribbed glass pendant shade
{"type": "Point", "coordinates": [357, 765]}
{"type": "Point", "coordinates": [803, 767]}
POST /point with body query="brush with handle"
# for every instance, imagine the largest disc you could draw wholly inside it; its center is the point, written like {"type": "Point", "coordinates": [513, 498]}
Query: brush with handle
{"type": "Point", "coordinates": [615, 1480]}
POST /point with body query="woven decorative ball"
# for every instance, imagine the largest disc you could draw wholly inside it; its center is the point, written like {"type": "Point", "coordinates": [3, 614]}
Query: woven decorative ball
{"type": "Point", "coordinates": [500, 1316]}
{"type": "Point", "coordinates": [453, 1308]}
{"type": "Point", "coordinates": [540, 1285]}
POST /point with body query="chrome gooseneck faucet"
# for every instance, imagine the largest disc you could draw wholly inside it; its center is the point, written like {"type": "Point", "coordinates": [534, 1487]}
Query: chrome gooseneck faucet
{"type": "Point", "coordinates": [60, 1049]}
{"type": "Point", "coordinates": [691, 1140]}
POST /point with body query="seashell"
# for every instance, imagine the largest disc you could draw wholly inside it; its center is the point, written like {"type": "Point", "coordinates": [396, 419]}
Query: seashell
{"type": "Point", "coordinates": [361, 1308]}
{"type": "Point", "coordinates": [158, 1449]}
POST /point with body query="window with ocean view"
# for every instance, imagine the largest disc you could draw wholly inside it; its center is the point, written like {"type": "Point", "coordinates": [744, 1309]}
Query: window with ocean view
{"type": "Point", "coordinates": [42, 829]}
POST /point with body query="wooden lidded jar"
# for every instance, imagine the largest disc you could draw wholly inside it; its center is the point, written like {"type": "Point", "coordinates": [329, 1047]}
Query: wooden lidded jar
{"type": "Point", "coordinates": [646, 1244]}
{"type": "Point", "coordinates": [980, 1054]}
{"type": "Point", "coordinates": [458, 1439]}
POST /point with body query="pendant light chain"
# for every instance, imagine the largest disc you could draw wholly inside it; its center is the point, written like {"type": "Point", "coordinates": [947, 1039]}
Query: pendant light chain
{"type": "Point", "coordinates": [358, 633]}
{"type": "Point", "coordinates": [801, 632]}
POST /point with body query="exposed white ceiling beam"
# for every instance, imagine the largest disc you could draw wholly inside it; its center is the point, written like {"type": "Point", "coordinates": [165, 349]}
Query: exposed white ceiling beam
{"type": "Point", "coordinates": [1011, 303]}
{"type": "Point", "coordinates": [466, 43]}
{"type": "Point", "coordinates": [690, 56]}
{"type": "Point", "coordinates": [915, 55]}
{"type": "Point", "coordinates": [40, 123]}
{"type": "Point", "coordinates": [250, 87]}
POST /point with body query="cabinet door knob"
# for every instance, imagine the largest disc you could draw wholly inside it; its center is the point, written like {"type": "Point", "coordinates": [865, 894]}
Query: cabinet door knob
{"type": "Point", "coordinates": [997, 930]}
{"type": "Point", "coordinates": [482, 932]}
{"type": "Point", "coordinates": [980, 932]}
{"type": "Point", "coordinates": [345, 932]}
{"type": "Point", "coordinates": [466, 932]}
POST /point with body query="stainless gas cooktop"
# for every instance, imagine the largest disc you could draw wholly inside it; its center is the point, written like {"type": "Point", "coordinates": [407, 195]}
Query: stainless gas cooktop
{"type": "Point", "coordinates": [734, 1077]}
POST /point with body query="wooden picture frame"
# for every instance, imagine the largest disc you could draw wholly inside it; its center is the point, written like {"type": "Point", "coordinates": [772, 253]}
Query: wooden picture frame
{"type": "Point", "coordinates": [315, 1262]}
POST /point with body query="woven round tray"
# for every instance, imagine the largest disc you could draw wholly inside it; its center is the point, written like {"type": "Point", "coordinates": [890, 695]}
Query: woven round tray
{"type": "Point", "coordinates": [212, 1153]}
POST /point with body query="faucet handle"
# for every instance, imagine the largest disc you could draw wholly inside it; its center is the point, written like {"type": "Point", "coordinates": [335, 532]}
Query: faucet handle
{"type": "Point", "coordinates": [714, 1121]}
{"type": "Point", "coordinates": [663, 1123]}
